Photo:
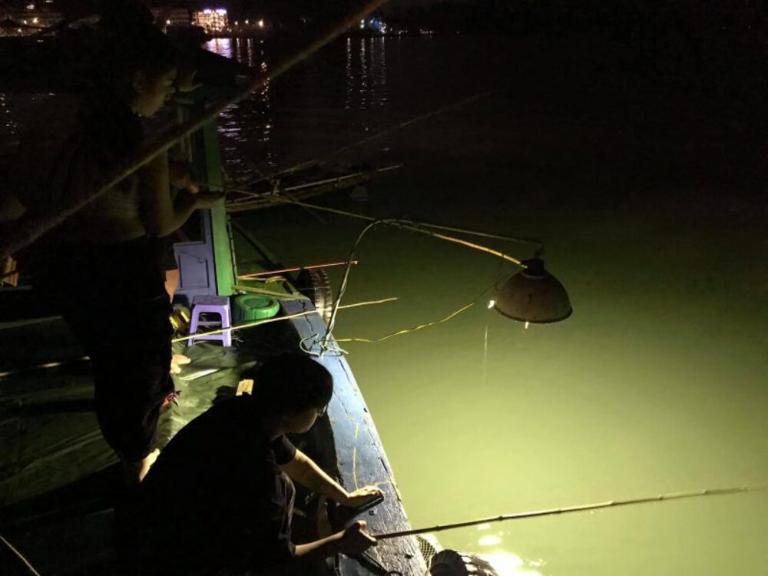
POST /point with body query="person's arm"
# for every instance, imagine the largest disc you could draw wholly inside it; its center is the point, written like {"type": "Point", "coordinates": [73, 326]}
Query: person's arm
{"type": "Point", "coordinates": [353, 540]}
{"type": "Point", "coordinates": [303, 470]}
{"type": "Point", "coordinates": [162, 214]}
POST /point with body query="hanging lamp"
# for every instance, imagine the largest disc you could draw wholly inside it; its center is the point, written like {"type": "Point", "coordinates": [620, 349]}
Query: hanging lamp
{"type": "Point", "coordinates": [533, 295]}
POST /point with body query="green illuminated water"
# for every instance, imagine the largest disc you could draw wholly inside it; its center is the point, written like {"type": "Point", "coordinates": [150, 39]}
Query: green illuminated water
{"type": "Point", "coordinates": [657, 383]}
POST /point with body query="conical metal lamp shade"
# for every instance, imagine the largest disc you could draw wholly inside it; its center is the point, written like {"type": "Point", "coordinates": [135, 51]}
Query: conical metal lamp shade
{"type": "Point", "coordinates": [533, 295]}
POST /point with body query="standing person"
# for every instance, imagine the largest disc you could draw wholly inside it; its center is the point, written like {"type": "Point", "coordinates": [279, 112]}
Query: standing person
{"type": "Point", "coordinates": [220, 496]}
{"type": "Point", "coordinates": [102, 267]}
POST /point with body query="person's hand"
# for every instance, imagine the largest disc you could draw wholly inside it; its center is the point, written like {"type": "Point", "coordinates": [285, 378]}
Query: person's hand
{"type": "Point", "coordinates": [205, 200]}
{"type": "Point", "coordinates": [356, 539]}
{"type": "Point", "coordinates": [180, 175]}
{"type": "Point", "coordinates": [362, 496]}
{"type": "Point", "coordinates": [185, 182]}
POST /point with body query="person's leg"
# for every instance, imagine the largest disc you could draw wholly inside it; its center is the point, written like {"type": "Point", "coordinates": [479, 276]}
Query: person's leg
{"type": "Point", "coordinates": [132, 374]}
{"type": "Point", "coordinates": [131, 386]}
{"type": "Point", "coordinates": [172, 278]}
{"type": "Point", "coordinates": [171, 282]}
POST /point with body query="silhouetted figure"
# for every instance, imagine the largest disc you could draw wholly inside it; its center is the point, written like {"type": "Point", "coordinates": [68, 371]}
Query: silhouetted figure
{"type": "Point", "coordinates": [219, 499]}
{"type": "Point", "coordinates": [102, 268]}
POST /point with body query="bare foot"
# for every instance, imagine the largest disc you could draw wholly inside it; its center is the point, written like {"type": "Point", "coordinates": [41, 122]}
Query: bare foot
{"type": "Point", "coordinates": [134, 472]}
{"type": "Point", "coordinates": [177, 361]}
{"type": "Point", "coordinates": [146, 464]}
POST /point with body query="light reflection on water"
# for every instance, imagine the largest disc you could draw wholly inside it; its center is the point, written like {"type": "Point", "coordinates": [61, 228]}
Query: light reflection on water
{"type": "Point", "coordinates": [249, 121]}
{"type": "Point", "coordinates": [320, 107]}
{"type": "Point", "coordinates": [221, 46]}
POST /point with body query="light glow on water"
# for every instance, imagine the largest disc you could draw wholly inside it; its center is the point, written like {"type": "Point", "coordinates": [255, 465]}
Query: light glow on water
{"type": "Point", "coordinates": [655, 384]}
{"type": "Point", "coordinates": [507, 564]}
{"type": "Point", "coordinates": [489, 540]}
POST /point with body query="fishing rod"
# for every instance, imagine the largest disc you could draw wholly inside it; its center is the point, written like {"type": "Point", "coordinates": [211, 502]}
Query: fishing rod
{"type": "Point", "coordinates": [412, 225]}
{"type": "Point", "coordinates": [29, 228]}
{"type": "Point", "coordinates": [573, 509]}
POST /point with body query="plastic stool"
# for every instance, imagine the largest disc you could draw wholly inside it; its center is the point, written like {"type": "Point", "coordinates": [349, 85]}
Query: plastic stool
{"type": "Point", "coordinates": [211, 305]}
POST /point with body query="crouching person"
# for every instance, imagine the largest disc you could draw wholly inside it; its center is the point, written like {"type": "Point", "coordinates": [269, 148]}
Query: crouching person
{"type": "Point", "coordinates": [219, 499]}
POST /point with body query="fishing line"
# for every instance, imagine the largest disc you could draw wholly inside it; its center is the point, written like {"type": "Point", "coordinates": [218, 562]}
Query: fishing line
{"type": "Point", "coordinates": [573, 509]}
{"type": "Point", "coordinates": [404, 331]}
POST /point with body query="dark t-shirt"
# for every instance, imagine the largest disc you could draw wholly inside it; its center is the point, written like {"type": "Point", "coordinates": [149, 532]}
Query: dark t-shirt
{"type": "Point", "coordinates": [216, 498]}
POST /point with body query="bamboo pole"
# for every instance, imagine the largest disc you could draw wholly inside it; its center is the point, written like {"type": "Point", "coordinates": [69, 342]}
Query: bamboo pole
{"type": "Point", "coordinates": [27, 230]}
{"type": "Point", "coordinates": [423, 228]}
{"type": "Point", "coordinates": [255, 275]}
{"type": "Point", "coordinates": [19, 556]}
{"type": "Point", "coordinates": [278, 319]}
{"type": "Point", "coordinates": [572, 509]}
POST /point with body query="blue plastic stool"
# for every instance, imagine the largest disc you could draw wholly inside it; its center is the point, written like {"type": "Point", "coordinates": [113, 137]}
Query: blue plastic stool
{"type": "Point", "coordinates": [211, 305]}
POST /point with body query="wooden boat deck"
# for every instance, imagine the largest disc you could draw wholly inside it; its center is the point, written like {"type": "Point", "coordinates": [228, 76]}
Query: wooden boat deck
{"type": "Point", "coordinates": [59, 480]}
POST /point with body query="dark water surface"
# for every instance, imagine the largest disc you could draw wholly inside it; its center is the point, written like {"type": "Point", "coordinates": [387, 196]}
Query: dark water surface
{"type": "Point", "coordinates": [654, 220]}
